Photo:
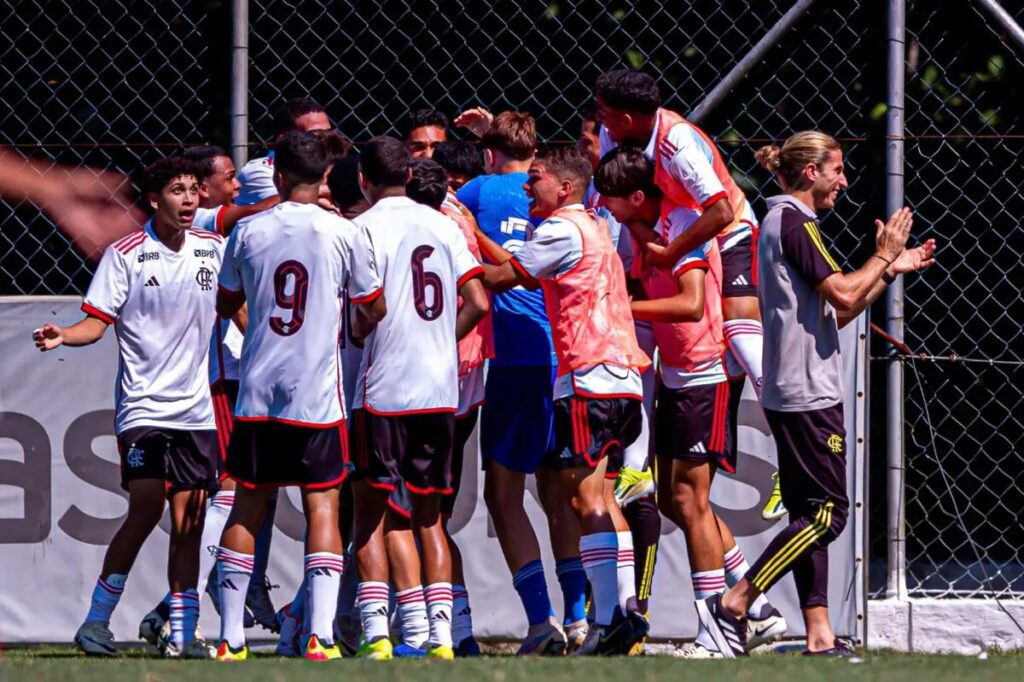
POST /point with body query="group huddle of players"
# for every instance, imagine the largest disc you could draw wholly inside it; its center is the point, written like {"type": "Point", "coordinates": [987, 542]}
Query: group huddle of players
{"type": "Point", "coordinates": [355, 298]}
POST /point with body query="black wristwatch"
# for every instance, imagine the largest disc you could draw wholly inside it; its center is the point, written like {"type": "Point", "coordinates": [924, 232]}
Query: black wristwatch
{"type": "Point", "coordinates": [887, 278]}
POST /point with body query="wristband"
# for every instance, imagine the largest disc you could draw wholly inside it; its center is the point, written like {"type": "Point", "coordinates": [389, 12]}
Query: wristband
{"type": "Point", "coordinates": [887, 262]}
{"type": "Point", "coordinates": [887, 278]}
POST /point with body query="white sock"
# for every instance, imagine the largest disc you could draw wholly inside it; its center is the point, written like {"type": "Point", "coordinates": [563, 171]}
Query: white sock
{"type": "Point", "coordinates": [636, 455]}
{"type": "Point", "coordinates": [213, 527]}
{"type": "Point", "coordinates": [105, 596]}
{"type": "Point", "coordinates": [234, 570]}
{"type": "Point", "coordinates": [323, 575]}
{"type": "Point", "coordinates": [462, 615]}
{"type": "Point", "coordinates": [373, 609]}
{"type": "Point", "coordinates": [624, 569]}
{"type": "Point", "coordinates": [707, 583]}
{"type": "Point", "coordinates": [599, 554]}
{"type": "Point", "coordinates": [736, 567]}
{"type": "Point", "coordinates": [745, 339]}
{"type": "Point", "coordinates": [439, 610]}
{"type": "Point", "coordinates": [412, 611]}
{"type": "Point", "coordinates": [184, 616]}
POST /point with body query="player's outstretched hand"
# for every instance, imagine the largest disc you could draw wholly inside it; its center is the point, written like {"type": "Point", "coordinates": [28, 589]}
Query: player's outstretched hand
{"type": "Point", "coordinates": [917, 258]}
{"type": "Point", "coordinates": [48, 337]}
{"type": "Point", "coordinates": [891, 237]}
{"type": "Point", "coordinates": [476, 120]}
{"type": "Point", "coordinates": [657, 256]}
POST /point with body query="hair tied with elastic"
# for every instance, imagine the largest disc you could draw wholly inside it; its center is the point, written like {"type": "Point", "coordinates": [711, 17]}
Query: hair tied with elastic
{"type": "Point", "coordinates": [768, 157]}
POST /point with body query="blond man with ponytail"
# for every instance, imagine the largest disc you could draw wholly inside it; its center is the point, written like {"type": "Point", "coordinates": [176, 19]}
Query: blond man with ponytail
{"type": "Point", "coordinates": [805, 298]}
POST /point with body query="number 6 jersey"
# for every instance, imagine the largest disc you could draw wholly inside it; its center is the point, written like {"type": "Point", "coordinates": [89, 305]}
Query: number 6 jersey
{"type": "Point", "coordinates": [410, 362]}
{"type": "Point", "coordinates": [294, 262]}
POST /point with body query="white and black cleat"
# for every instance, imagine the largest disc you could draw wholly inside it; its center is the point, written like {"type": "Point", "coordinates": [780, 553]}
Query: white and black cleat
{"type": "Point", "coordinates": [728, 632]}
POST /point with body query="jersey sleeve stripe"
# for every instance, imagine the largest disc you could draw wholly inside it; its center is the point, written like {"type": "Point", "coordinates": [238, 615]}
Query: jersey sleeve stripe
{"type": "Point", "coordinates": [131, 242]}
{"type": "Point", "coordinates": [368, 298]}
{"type": "Point", "coordinates": [204, 234]}
{"type": "Point", "coordinates": [812, 231]}
{"type": "Point", "coordinates": [692, 265]}
{"type": "Point", "coordinates": [470, 274]}
{"type": "Point", "coordinates": [219, 221]}
{"type": "Point", "coordinates": [713, 198]}
{"type": "Point", "coordinates": [518, 267]}
{"type": "Point", "coordinates": [93, 311]}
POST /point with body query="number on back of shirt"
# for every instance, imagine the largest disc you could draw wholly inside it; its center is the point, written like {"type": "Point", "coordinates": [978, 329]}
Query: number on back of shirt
{"type": "Point", "coordinates": [291, 287]}
{"type": "Point", "coordinates": [422, 281]}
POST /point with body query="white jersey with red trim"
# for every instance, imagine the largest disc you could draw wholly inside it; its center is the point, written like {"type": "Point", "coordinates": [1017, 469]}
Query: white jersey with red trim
{"type": "Point", "coordinates": [226, 341]}
{"type": "Point", "coordinates": [410, 360]}
{"type": "Point", "coordinates": [162, 304]}
{"type": "Point", "coordinates": [294, 263]}
{"type": "Point", "coordinates": [257, 178]}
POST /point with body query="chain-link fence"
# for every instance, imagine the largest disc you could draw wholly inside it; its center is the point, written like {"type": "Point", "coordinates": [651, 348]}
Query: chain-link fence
{"type": "Point", "coordinates": [116, 83]}
{"type": "Point", "coordinates": [965, 405]}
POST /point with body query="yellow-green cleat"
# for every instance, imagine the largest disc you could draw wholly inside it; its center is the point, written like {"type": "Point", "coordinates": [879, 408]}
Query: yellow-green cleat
{"type": "Point", "coordinates": [442, 653]}
{"type": "Point", "coordinates": [774, 509]}
{"type": "Point", "coordinates": [377, 650]}
{"type": "Point", "coordinates": [633, 484]}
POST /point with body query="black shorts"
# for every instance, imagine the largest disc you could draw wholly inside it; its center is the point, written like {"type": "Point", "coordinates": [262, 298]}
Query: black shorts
{"type": "Point", "coordinates": [589, 429]}
{"type": "Point", "coordinates": [185, 460]}
{"type": "Point", "coordinates": [811, 448]}
{"type": "Point", "coordinates": [698, 423]}
{"type": "Point", "coordinates": [414, 449]}
{"type": "Point", "coordinates": [269, 454]}
{"type": "Point", "coordinates": [225, 395]}
{"type": "Point", "coordinates": [739, 266]}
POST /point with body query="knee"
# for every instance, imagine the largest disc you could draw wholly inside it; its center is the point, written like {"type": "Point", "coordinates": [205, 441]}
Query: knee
{"type": "Point", "coordinates": [589, 506]}
{"type": "Point", "coordinates": [691, 505]}
{"type": "Point", "coordinates": [835, 515]}
{"type": "Point", "coordinates": [145, 514]}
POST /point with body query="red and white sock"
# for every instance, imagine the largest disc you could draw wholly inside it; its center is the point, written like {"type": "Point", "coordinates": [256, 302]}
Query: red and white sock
{"type": "Point", "coordinates": [599, 554]}
{"type": "Point", "coordinates": [736, 567]}
{"type": "Point", "coordinates": [323, 577]}
{"type": "Point", "coordinates": [234, 571]}
{"type": "Point", "coordinates": [707, 583]}
{"type": "Point", "coordinates": [412, 612]}
{"type": "Point", "coordinates": [745, 339]}
{"type": "Point", "coordinates": [439, 611]}
{"type": "Point", "coordinates": [184, 617]}
{"type": "Point", "coordinates": [624, 569]}
{"type": "Point", "coordinates": [373, 609]}
{"type": "Point", "coordinates": [213, 527]}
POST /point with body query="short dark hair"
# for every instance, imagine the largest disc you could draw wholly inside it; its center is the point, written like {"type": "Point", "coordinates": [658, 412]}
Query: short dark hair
{"type": "Point", "coordinates": [625, 170]}
{"type": "Point", "coordinates": [160, 173]}
{"type": "Point", "coordinates": [567, 163]}
{"type": "Point", "coordinates": [588, 114]}
{"type": "Point", "coordinates": [343, 181]}
{"type": "Point", "coordinates": [289, 110]}
{"type": "Point", "coordinates": [428, 184]}
{"type": "Point", "coordinates": [420, 119]}
{"type": "Point", "coordinates": [337, 144]}
{"type": "Point", "coordinates": [459, 156]}
{"type": "Point", "coordinates": [384, 162]}
{"type": "Point", "coordinates": [302, 157]}
{"type": "Point", "coordinates": [512, 133]}
{"type": "Point", "coordinates": [627, 90]}
{"type": "Point", "coordinates": [203, 155]}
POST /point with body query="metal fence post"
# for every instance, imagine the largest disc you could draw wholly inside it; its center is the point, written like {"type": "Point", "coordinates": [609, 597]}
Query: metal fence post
{"type": "Point", "coordinates": [896, 580]}
{"type": "Point", "coordinates": [240, 82]}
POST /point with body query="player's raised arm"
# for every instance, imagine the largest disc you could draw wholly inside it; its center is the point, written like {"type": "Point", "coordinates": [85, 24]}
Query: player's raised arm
{"type": "Point", "coordinates": [686, 306]}
{"type": "Point", "coordinates": [49, 336]}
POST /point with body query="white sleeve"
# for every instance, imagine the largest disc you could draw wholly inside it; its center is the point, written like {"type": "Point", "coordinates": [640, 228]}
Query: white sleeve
{"type": "Point", "coordinates": [364, 284]}
{"type": "Point", "coordinates": [466, 265]}
{"type": "Point", "coordinates": [555, 248]}
{"type": "Point", "coordinates": [689, 162]}
{"type": "Point", "coordinates": [230, 278]}
{"type": "Point", "coordinates": [257, 178]}
{"type": "Point", "coordinates": [698, 258]}
{"type": "Point", "coordinates": [109, 288]}
{"type": "Point", "coordinates": [210, 219]}
{"type": "Point", "coordinates": [605, 140]}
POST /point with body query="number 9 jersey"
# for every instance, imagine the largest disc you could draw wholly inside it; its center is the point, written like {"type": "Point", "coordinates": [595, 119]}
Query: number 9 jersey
{"type": "Point", "coordinates": [294, 263]}
{"type": "Point", "coordinates": [410, 361]}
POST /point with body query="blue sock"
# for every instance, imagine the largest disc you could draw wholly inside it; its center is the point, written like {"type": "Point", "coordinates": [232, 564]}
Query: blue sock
{"type": "Point", "coordinates": [533, 592]}
{"type": "Point", "coordinates": [573, 580]}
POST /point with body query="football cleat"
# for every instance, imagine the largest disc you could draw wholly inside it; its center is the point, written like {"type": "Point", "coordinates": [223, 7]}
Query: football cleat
{"type": "Point", "coordinates": [774, 509]}
{"type": "Point", "coordinates": [227, 654]}
{"type": "Point", "coordinates": [544, 639]}
{"type": "Point", "coordinates": [403, 650]}
{"type": "Point", "coordinates": [467, 648]}
{"type": "Point", "coordinates": [727, 632]}
{"type": "Point", "coordinates": [317, 651]}
{"type": "Point", "coordinates": [442, 652]}
{"type": "Point", "coordinates": [350, 632]}
{"type": "Point", "coordinates": [576, 634]}
{"type": "Point", "coordinates": [769, 626]}
{"type": "Point", "coordinates": [197, 648]}
{"type": "Point", "coordinates": [633, 484]}
{"type": "Point", "coordinates": [96, 639]}
{"type": "Point", "coordinates": [258, 602]}
{"type": "Point", "coordinates": [696, 651]}
{"type": "Point", "coordinates": [150, 626]}
{"type": "Point", "coordinates": [289, 629]}
{"type": "Point", "coordinates": [842, 648]}
{"type": "Point", "coordinates": [377, 650]}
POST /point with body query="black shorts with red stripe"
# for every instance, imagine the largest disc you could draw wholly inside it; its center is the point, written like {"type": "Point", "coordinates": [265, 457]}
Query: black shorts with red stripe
{"type": "Point", "coordinates": [410, 449]}
{"type": "Point", "coordinates": [739, 266]}
{"type": "Point", "coordinates": [589, 429]}
{"type": "Point", "coordinates": [698, 423]}
{"type": "Point", "coordinates": [271, 454]}
{"type": "Point", "coordinates": [184, 460]}
{"type": "Point", "coordinates": [225, 395]}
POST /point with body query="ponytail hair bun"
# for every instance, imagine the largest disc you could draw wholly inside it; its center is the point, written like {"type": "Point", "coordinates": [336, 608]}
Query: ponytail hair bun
{"type": "Point", "coordinates": [768, 157]}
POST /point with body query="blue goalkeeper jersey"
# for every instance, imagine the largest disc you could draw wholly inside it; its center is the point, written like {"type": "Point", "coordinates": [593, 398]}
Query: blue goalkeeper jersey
{"type": "Point", "coordinates": [522, 334]}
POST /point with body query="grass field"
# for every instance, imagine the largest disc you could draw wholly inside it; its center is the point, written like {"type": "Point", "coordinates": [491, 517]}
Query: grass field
{"type": "Point", "coordinates": [58, 664]}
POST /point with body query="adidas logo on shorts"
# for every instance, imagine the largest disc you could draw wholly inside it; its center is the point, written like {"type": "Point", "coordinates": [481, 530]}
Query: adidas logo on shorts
{"type": "Point", "coordinates": [699, 447]}
{"type": "Point", "coordinates": [740, 281]}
